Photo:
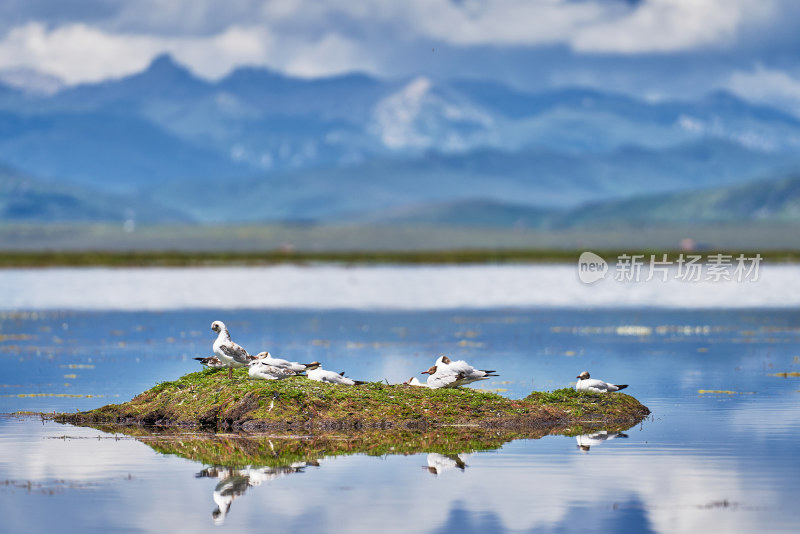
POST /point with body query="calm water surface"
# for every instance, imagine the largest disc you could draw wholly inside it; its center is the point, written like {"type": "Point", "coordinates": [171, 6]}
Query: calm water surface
{"type": "Point", "coordinates": [719, 453]}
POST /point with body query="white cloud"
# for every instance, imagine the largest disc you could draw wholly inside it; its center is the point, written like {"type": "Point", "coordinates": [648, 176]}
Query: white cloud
{"type": "Point", "coordinates": [311, 38]}
{"type": "Point", "coordinates": [216, 55]}
{"type": "Point", "coordinates": [332, 53]}
{"type": "Point", "coordinates": [590, 26]}
{"type": "Point", "coordinates": [768, 86]}
{"type": "Point", "coordinates": [79, 53]}
{"type": "Point", "coordinates": [75, 52]}
{"type": "Point", "coordinates": [671, 25]}
{"type": "Point", "coordinates": [503, 22]}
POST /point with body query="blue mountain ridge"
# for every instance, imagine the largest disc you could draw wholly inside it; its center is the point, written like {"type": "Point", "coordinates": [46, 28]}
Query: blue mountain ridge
{"type": "Point", "coordinates": [762, 200]}
{"type": "Point", "coordinates": [27, 199]}
{"type": "Point", "coordinates": [259, 145]}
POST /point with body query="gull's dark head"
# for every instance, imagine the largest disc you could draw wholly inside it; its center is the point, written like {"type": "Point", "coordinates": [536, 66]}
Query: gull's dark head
{"type": "Point", "coordinates": [430, 371]}
{"type": "Point", "coordinates": [583, 376]}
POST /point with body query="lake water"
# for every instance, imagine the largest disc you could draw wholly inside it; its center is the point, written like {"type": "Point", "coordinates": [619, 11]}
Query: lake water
{"type": "Point", "coordinates": [718, 454]}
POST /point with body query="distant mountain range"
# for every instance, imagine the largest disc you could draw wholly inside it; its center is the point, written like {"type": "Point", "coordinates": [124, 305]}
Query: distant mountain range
{"type": "Point", "coordinates": [532, 177]}
{"type": "Point", "coordinates": [774, 200]}
{"type": "Point", "coordinates": [27, 199]}
{"type": "Point", "coordinates": [164, 145]}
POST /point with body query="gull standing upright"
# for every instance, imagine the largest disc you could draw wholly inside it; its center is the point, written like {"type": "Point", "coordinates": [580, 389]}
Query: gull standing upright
{"type": "Point", "coordinates": [598, 386]}
{"type": "Point", "coordinates": [228, 352]}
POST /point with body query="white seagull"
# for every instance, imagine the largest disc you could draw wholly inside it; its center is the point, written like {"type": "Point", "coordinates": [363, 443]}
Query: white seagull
{"type": "Point", "coordinates": [261, 370]}
{"type": "Point", "coordinates": [441, 377]}
{"type": "Point", "coordinates": [414, 381]}
{"type": "Point", "coordinates": [598, 386]}
{"type": "Point", "coordinates": [321, 375]}
{"type": "Point", "coordinates": [228, 352]}
{"type": "Point", "coordinates": [211, 362]}
{"type": "Point", "coordinates": [466, 373]}
{"type": "Point", "coordinates": [452, 374]}
{"type": "Point", "coordinates": [267, 358]}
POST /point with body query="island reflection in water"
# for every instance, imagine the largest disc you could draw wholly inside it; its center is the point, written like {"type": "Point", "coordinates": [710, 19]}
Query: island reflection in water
{"type": "Point", "coordinates": [645, 483]}
{"type": "Point", "coordinates": [240, 462]}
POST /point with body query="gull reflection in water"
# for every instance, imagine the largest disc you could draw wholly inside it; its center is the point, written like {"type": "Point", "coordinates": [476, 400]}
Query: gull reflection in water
{"type": "Point", "coordinates": [438, 463]}
{"type": "Point", "coordinates": [235, 482]}
{"type": "Point", "coordinates": [586, 441]}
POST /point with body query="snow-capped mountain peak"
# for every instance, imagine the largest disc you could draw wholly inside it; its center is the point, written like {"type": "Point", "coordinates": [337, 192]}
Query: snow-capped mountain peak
{"type": "Point", "coordinates": [422, 115]}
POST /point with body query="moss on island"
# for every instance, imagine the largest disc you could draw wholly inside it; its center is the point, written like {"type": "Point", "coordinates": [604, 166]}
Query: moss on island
{"type": "Point", "coordinates": [209, 400]}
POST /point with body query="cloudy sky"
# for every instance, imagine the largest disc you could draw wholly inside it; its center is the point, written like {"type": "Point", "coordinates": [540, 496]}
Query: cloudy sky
{"type": "Point", "coordinates": [656, 48]}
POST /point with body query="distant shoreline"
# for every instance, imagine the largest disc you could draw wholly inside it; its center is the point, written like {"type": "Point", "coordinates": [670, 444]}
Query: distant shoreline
{"type": "Point", "coordinates": [81, 244]}
{"type": "Point", "coordinates": [99, 258]}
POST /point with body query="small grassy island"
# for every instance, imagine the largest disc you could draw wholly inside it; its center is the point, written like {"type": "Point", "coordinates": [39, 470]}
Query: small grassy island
{"type": "Point", "coordinates": [208, 400]}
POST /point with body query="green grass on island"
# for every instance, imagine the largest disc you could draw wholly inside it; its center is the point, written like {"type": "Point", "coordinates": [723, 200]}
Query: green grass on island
{"type": "Point", "coordinates": [209, 400]}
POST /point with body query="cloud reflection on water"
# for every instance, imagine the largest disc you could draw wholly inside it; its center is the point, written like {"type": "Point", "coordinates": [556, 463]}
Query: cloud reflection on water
{"type": "Point", "coordinates": [526, 485]}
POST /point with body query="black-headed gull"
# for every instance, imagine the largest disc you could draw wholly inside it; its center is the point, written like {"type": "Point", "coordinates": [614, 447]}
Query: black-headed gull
{"type": "Point", "coordinates": [598, 386]}
{"type": "Point", "coordinates": [465, 373]}
{"type": "Point", "coordinates": [228, 352]}
{"type": "Point", "coordinates": [413, 381]}
{"type": "Point", "coordinates": [261, 370]}
{"type": "Point", "coordinates": [441, 377]}
{"type": "Point", "coordinates": [267, 358]}
{"type": "Point", "coordinates": [212, 362]}
{"type": "Point", "coordinates": [321, 375]}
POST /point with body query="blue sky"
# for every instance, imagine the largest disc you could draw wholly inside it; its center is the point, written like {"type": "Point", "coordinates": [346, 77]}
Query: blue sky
{"type": "Point", "coordinates": [653, 48]}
